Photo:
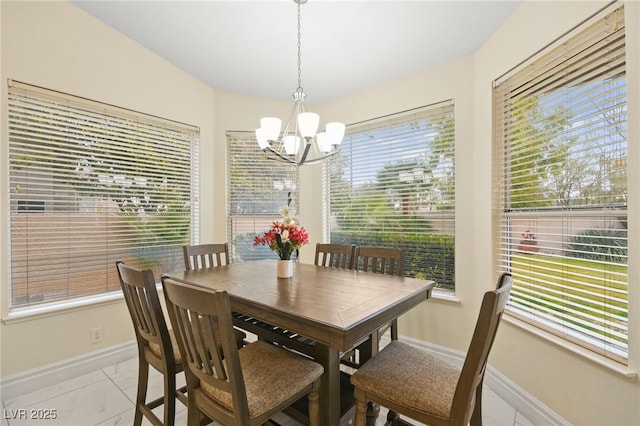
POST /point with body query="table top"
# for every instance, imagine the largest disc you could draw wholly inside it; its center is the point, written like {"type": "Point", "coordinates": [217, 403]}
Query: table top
{"type": "Point", "coordinates": [335, 307]}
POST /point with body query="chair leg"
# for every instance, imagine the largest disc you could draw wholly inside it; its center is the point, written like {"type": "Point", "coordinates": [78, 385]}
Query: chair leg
{"type": "Point", "coordinates": [373, 410]}
{"type": "Point", "coordinates": [194, 417]}
{"type": "Point", "coordinates": [169, 398]}
{"type": "Point", "coordinates": [361, 408]}
{"type": "Point", "coordinates": [476, 417]}
{"type": "Point", "coordinates": [394, 330]}
{"type": "Point", "coordinates": [314, 405]}
{"type": "Point", "coordinates": [392, 418]}
{"type": "Point", "coordinates": [143, 380]}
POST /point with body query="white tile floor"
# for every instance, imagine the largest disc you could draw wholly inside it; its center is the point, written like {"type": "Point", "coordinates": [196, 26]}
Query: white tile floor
{"type": "Point", "coordinates": [105, 397]}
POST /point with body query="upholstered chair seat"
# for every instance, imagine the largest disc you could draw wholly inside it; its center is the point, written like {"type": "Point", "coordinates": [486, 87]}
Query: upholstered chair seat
{"type": "Point", "coordinates": [265, 366]}
{"type": "Point", "coordinates": [155, 348]}
{"type": "Point", "coordinates": [432, 394]}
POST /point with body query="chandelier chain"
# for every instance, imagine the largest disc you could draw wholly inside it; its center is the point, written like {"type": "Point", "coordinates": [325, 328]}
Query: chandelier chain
{"type": "Point", "coordinates": [299, 89]}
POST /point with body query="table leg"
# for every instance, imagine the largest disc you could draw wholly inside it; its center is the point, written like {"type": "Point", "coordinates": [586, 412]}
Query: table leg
{"type": "Point", "coordinates": [330, 386]}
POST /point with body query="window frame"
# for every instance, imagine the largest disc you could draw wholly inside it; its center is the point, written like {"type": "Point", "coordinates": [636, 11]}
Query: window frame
{"type": "Point", "coordinates": [83, 138]}
{"type": "Point", "coordinates": [541, 70]}
{"type": "Point", "coordinates": [244, 153]}
{"type": "Point", "coordinates": [428, 131]}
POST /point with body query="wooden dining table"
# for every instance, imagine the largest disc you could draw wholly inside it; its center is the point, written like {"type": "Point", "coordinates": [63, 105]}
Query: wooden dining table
{"type": "Point", "coordinates": [336, 309]}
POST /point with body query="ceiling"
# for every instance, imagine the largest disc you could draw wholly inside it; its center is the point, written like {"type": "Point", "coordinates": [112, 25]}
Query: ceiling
{"type": "Point", "coordinates": [251, 46]}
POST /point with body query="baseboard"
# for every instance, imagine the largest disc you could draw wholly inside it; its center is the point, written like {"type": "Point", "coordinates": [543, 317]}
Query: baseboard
{"type": "Point", "coordinates": [37, 378]}
{"type": "Point", "coordinates": [530, 407]}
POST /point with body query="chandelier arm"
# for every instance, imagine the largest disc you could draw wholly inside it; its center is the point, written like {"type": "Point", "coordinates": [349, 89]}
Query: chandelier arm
{"type": "Point", "coordinates": [307, 145]}
{"type": "Point", "coordinates": [322, 159]}
{"type": "Point", "coordinates": [278, 156]}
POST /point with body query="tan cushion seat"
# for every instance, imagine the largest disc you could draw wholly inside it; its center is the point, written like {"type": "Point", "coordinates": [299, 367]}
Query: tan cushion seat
{"type": "Point", "coordinates": [432, 393]}
{"type": "Point", "coordinates": [266, 366]}
{"type": "Point", "coordinates": [155, 348]}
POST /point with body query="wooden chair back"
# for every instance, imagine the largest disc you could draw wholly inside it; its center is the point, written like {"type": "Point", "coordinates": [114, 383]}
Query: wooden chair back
{"type": "Point", "coordinates": [335, 255]}
{"type": "Point", "coordinates": [381, 260]}
{"type": "Point", "coordinates": [155, 346]}
{"type": "Point", "coordinates": [205, 256]}
{"type": "Point", "coordinates": [475, 363]}
{"type": "Point", "coordinates": [141, 296]}
{"type": "Point", "coordinates": [203, 321]}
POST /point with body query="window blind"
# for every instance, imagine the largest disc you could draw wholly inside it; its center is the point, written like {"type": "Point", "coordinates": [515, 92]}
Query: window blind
{"type": "Point", "coordinates": [258, 189]}
{"type": "Point", "coordinates": [90, 184]}
{"type": "Point", "coordinates": [561, 182]}
{"type": "Point", "coordinates": [393, 184]}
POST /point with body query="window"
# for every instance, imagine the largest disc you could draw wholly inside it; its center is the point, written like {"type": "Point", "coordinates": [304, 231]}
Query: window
{"type": "Point", "coordinates": [561, 164]}
{"type": "Point", "coordinates": [393, 184]}
{"type": "Point", "coordinates": [258, 189]}
{"type": "Point", "coordinates": [91, 184]}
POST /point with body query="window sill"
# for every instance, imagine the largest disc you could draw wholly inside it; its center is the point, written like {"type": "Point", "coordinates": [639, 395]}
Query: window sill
{"type": "Point", "coordinates": [600, 360]}
{"type": "Point", "coordinates": [30, 313]}
{"type": "Point", "coordinates": [444, 296]}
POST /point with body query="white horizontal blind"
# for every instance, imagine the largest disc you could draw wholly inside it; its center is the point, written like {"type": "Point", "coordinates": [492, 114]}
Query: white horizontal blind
{"type": "Point", "coordinates": [91, 184]}
{"type": "Point", "coordinates": [561, 163]}
{"type": "Point", "coordinates": [393, 184]}
{"type": "Point", "coordinates": [257, 188]}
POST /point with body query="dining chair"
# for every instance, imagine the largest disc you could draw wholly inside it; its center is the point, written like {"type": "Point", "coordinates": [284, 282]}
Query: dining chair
{"type": "Point", "coordinates": [335, 255]}
{"type": "Point", "coordinates": [200, 256]}
{"type": "Point", "coordinates": [156, 344]}
{"type": "Point", "coordinates": [380, 260]}
{"type": "Point", "coordinates": [411, 382]}
{"type": "Point", "coordinates": [234, 386]}
{"type": "Point", "coordinates": [205, 255]}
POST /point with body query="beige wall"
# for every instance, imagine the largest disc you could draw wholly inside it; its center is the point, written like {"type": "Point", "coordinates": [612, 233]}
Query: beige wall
{"type": "Point", "coordinates": [56, 45]}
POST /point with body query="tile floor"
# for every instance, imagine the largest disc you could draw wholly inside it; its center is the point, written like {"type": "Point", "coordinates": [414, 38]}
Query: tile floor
{"type": "Point", "coordinates": [105, 397]}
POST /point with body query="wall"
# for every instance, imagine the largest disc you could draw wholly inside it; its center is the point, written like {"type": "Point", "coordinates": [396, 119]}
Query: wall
{"type": "Point", "coordinates": [56, 45]}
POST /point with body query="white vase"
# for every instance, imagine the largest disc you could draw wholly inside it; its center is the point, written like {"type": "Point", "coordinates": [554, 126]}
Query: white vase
{"type": "Point", "coordinates": [285, 268]}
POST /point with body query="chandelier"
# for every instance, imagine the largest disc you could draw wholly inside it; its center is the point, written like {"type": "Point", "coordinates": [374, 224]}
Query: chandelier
{"type": "Point", "coordinates": [299, 143]}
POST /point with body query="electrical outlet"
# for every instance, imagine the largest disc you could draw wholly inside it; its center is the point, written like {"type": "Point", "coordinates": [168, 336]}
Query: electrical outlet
{"type": "Point", "coordinates": [96, 335]}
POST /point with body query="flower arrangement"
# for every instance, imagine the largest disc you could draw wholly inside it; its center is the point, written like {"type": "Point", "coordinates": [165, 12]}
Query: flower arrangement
{"type": "Point", "coordinates": [285, 236]}
{"type": "Point", "coordinates": [528, 235]}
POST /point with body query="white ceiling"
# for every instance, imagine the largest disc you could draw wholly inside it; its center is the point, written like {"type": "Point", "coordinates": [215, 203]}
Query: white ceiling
{"type": "Point", "coordinates": [251, 46]}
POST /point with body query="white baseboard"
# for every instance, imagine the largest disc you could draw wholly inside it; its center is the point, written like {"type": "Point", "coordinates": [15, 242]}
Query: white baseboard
{"type": "Point", "coordinates": [37, 378]}
{"type": "Point", "coordinates": [530, 407]}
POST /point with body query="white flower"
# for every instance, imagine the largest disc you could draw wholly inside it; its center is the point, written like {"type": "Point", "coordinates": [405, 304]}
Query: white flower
{"type": "Point", "coordinates": [284, 212]}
